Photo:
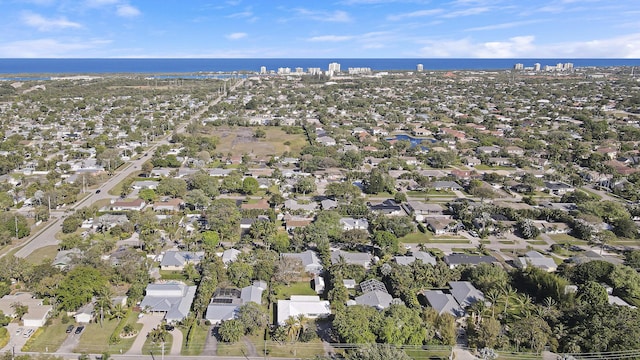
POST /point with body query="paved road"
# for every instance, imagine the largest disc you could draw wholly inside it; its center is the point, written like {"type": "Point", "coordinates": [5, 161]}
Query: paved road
{"type": "Point", "coordinates": [47, 236]}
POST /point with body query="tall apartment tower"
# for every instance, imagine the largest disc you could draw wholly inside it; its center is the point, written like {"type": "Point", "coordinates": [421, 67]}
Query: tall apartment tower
{"type": "Point", "coordinates": [263, 70]}
{"type": "Point", "coordinates": [536, 67]}
{"type": "Point", "coordinates": [334, 68]}
{"type": "Point", "coordinates": [420, 67]}
{"type": "Point", "coordinates": [518, 66]}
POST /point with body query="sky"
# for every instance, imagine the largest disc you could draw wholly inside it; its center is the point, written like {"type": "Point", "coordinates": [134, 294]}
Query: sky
{"type": "Point", "coordinates": [320, 29]}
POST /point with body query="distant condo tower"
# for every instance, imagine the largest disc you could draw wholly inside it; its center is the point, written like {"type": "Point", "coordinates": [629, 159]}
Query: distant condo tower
{"type": "Point", "coordinates": [518, 66]}
{"type": "Point", "coordinates": [333, 68]}
{"type": "Point", "coordinates": [420, 67]}
{"type": "Point", "coordinates": [536, 67]}
{"type": "Point", "coordinates": [263, 70]}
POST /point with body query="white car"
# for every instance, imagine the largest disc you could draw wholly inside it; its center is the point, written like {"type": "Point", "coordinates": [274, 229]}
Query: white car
{"type": "Point", "coordinates": [28, 333]}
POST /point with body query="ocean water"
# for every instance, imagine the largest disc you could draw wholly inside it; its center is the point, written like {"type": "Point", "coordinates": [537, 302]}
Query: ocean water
{"type": "Point", "coordinates": [172, 66]}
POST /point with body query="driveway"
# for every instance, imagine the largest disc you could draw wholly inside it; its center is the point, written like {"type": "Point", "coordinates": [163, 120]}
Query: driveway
{"type": "Point", "coordinates": [176, 345]}
{"type": "Point", "coordinates": [149, 322]}
{"type": "Point", "coordinates": [71, 342]}
{"type": "Point", "coordinates": [16, 340]}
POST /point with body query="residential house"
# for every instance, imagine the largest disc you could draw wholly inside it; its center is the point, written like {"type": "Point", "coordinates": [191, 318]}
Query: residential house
{"type": "Point", "coordinates": [441, 226]}
{"type": "Point", "coordinates": [326, 141]}
{"type": "Point", "coordinates": [169, 205]}
{"type": "Point", "coordinates": [174, 299]}
{"type": "Point", "coordinates": [328, 204]}
{"type": "Point", "coordinates": [85, 314]}
{"type": "Point", "coordinates": [388, 207]}
{"type": "Point", "coordinates": [37, 312]}
{"type": "Point", "coordinates": [446, 185]}
{"type": "Point", "coordinates": [230, 255]}
{"type": "Point", "coordinates": [442, 303]}
{"type": "Point", "coordinates": [64, 258]}
{"type": "Point", "coordinates": [126, 205]}
{"type": "Point", "coordinates": [293, 222]}
{"type": "Point", "coordinates": [465, 293]}
{"type": "Point", "coordinates": [488, 150]}
{"type": "Point", "coordinates": [226, 302]}
{"type": "Point", "coordinates": [306, 305]}
{"type": "Point", "coordinates": [536, 259]}
{"type": "Point", "coordinates": [177, 260]}
{"type": "Point", "coordinates": [309, 259]}
{"type": "Point", "coordinates": [354, 258]}
{"type": "Point", "coordinates": [558, 188]}
{"type": "Point", "coordinates": [456, 259]}
{"type": "Point", "coordinates": [294, 205]}
{"type": "Point", "coordinates": [354, 224]}
{"type": "Point", "coordinates": [410, 258]}
{"type": "Point", "coordinates": [421, 209]}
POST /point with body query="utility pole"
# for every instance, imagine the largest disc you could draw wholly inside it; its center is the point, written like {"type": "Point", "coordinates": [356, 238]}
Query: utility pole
{"type": "Point", "coordinates": [162, 349]}
{"type": "Point", "coordinates": [15, 218]}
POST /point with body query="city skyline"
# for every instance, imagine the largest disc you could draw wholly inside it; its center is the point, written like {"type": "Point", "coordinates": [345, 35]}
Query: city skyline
{"type": "Point", "coordinates": [341, 28]}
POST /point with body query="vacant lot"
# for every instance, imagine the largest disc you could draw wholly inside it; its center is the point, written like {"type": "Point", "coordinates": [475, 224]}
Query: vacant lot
{"type": "Point", "coordinates": [240, 140]}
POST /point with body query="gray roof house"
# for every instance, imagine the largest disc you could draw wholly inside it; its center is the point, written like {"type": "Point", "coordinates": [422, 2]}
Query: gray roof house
{"type": "Point", "coordinates": [465, 293]}
{"type": "Point", "coordinates": [363, 259]}
{"type": "Point", "coordinates": [310, 260]}
{"type": "Point", "coordinates": [177, 260]}
{"type": "Point", "coordinates": [443, 303]}
{"type": "Point", "coordinates": [174, 299]}
{"type": "Point", "coordinates": [225, 302]}
{"type": "Point", "coordinates": [456, 259]}
{"type": "Point", "coordinates": [377, 299]}
{"type": "Point", "coordinates": [425, 257]}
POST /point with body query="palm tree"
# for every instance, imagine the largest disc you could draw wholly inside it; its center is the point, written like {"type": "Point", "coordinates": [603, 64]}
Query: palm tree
{"type": "Point", "coordinates": [492, 296]}
{"type": "Point", "coordinates": [118, 311]}
{"type": "Point", "coordinates": [103, 301]}
{"type": "Point", "coordinates": [508, 293]}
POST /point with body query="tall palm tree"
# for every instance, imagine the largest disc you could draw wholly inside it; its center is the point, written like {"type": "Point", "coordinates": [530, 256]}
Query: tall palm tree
{"type": "Point", "coordinates": [493, 296]}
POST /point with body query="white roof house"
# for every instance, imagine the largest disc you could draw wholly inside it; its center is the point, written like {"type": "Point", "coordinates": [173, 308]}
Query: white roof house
{"type": "Point", "coordinates": [309, 306]}
{"type": "Point", "coordinates": [37, 313]}
{"type": "Point", "coordinates": [310, 260]}
{"type": "Point", "coordinates": [174, 299]}
{"type": "Point", "coordinates": [349, 223]}
{"type": "Point", "coordinates": [538, 260]}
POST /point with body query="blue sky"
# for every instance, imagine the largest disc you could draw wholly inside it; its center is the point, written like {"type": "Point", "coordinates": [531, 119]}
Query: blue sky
{"type": "Point", "coordinates": [320, 28]}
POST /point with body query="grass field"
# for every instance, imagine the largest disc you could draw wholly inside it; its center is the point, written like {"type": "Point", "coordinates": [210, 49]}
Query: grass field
{"type": "Point", "coordinates": [49, 339]}
{"type": "Point", "coordinates": [43, 253]}
{"type": "Point", "coordinates": [298, 288]}
{"type": "Point", "coordinates": [566, 238]}
{"type": "Point", "coordinates": [240, 140]}
{"type": "Point", "coordinates": [429, 238]}
{"type": "Point", "coordinates": [298, 350]}
{"type": "Point", "coordinates": [95, 338]}
{"type": "Point", "coordinates": [197, 342]}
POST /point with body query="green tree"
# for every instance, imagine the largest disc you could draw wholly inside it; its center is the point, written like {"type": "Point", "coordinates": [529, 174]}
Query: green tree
{"type": "Point", "coordinates": [386, 241]}
{"type": "Point", "coordinates": [172, 187]}
{"type": "Point", "coordinates": [593, 294]}
{"type": "Point", "coordinates": [250, 185]}
{"type": "Point", "coordinates": [376, 182]}
{"type": "Point", "coordinates": [377, 352]}
{"type": "Point", "coordinates": [79, 286]}
{"type": "Point", "coordinates": [305, 185]}
{"type": "Point", "coordinates": [354, 324]}
{"type": "Point", "coordinates": [240, 273]}
{"type": "Point", "coordinates": [253, 317]}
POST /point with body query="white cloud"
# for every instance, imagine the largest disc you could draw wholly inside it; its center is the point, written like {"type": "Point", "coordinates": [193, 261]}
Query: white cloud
{"type": "Point", "coordinates": [627, 46]}
{"type": "Point", "coordinates": [327, 16]}
{"type": "Point", "coordinates": [126, 10]}
{"type": "Point", "coordinates": [243, 14]}
{"type": "Point", "coordinates": [236, 36]}
{"type": "Point", "coordinates": [415, 14]}
{"type": "Point", "coordinates": [507, 25]}
{"type": "Point", "coordinates": [43, 24]}
{"type": "Point", "coordinates": [467, 12]}
{"type": "Point", "coordinates": [330, 38]}
{"type": "Point", "coordinates": [48, 48]}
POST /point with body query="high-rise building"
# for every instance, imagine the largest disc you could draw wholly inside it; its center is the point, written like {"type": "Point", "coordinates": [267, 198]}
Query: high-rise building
{"type": "Point", "coordinates": [314, 71]}
{"type": "Point", "coordinates": [568, 66]}
{"type": "Point", "coordinates": [536, 67]}
{"type": "Point", "coordinates": [419, 67]}
{"type": "Point", "coordinates": [299, 70]}
{"type": "Point", "coordinates": [518, 66]}
{"type": "Point", "coordinates": [334, 68]}
{"type": "Point", "coordinates": [263, 70]}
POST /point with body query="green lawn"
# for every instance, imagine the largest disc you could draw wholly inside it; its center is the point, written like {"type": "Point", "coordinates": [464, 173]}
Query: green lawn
{"type": "Point", "coordinates": [49, 338]}
{"type": "Point", "coordinates": [38, 255]}
{"type": "Point", "coordinates": [566, 238]}
{"type": "Point", "coordinates": [429, 238]}
{"type": "Point", "coordinates": [95, 338]}
{"type": "Point", "coordinates": [201, 333]}
{"type": "Point", "coordinates": [232, 349]}
{"type": "Point", "coordinates": [284, 292]}
{"type": "Point", "coordinates": [298, 350]}
{"type": "Point", "coordinates": [536, 242]}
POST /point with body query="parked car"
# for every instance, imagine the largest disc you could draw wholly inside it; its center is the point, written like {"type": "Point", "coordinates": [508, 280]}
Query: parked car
{"type": "Point", "coordinates": [18, 331]}
{"type": "Point", "coordinates": [79, 329]}
{"type": "Point", "coordinates": [69, 329]}
{"type": "Point", "coordinates": [28, 333]}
